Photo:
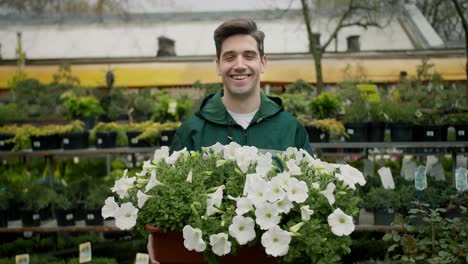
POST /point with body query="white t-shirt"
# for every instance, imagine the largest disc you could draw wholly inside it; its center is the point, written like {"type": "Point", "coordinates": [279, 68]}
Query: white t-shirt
{"type": "Point", "coordinates": [242, 119]}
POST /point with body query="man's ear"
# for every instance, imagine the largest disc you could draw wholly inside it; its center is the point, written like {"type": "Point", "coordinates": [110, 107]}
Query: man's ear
{"type": "Point", "coordinates": [218, 70]}
{"type": "Point", "coordinates": [264, 63]}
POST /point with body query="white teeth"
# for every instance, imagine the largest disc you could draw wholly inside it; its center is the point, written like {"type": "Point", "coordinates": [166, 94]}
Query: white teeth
{"type": "Point", "coordinates": [239, 77]}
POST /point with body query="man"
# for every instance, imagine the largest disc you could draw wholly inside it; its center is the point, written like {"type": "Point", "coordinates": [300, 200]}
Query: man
{"type": "Point", "coordinates": [240, 112]}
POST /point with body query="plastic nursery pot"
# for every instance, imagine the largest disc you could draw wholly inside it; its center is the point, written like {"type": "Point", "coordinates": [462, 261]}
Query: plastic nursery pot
{"type": "Point", "coordinates": [168, 247]}
{"type": "Point", "coordinates": [94, 217]}
{"type": "Point", "coordinates": [106, 140]}
{"type": "Point", "coordinates": [435, 133]}
{"type": "Point", "coordinates": [376, 132]}
{"type": "Point", "coordinates": [65, 217]}
{"type": "Point", "coordinates": [401, 132]}
{"type": "Point", "coordinates": [166, 137]}
{"type": "Point", "coordinates": [461, 132]}
{"type": "Point", "coordinates": [384, 217]}
{"type": "Point", "coordinates": [3, 218]}
{"type": "Point", "coordinates": [133, 142]}
{"type": "Point", "coordinates": [76, 140]}
{"type": "Point", "coordinates": [357, 132]}
{"type": "Point", "coordinates": [46, 142]}
{"type": "Point", "coordinates": [316, 134]}
{"type": "Point", "coordinates": [30, 218]}
{"type": "Point", "coordinates": [6, 146]}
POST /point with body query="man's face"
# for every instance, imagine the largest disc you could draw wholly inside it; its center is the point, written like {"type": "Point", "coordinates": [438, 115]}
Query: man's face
{"type": "Point", "coordinates": [240, 66]}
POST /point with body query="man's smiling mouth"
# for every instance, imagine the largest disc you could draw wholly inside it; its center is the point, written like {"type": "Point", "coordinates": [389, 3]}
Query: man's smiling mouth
{"type": "Point", "coordinates": [240, 76]}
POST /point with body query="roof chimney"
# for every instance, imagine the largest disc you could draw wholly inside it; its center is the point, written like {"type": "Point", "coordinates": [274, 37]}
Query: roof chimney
{"type": "Point", "coordinates": [166, 47]}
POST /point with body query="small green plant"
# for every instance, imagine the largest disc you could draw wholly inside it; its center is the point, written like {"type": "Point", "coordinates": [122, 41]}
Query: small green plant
{"type": "Point", "coordinates": [437, 240]}
{"type": "Point", "coordinates": [295, 104]}
{"type": "Point", "coordinates": [81, 107]}
{"type": "Point", "coordinates": [324, 106]}
{"type": "Point", "coordinates": [36, 196]}
{"type": "Point", "coordinates": [112, 127]}
{"type": "Point", "coordinates": [299, 86]}
{"type": "Point", "coordinates": [380, 198]}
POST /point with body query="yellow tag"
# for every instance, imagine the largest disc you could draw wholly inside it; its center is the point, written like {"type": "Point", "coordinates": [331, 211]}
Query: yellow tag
{"type": "Point", "coordinates": [85, 252]}
{"type": "Point", "coordinates": [141, 258]}
{"type": "Point", "coordinates": [22, 259]}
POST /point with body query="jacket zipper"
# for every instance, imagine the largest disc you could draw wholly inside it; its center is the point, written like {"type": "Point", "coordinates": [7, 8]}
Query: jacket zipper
{"type": "Point", "coordinates": [244, 136]}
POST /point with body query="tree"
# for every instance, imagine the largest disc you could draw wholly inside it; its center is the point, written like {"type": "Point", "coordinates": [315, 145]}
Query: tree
{"type": "Point", "coordinates": [346, 13]}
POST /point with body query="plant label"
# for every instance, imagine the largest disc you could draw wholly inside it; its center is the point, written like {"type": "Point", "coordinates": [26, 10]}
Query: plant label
{"type": "Point", "coordinates": [36, 217]}
{"type": "Point", "coordinates": [164, 138]}
{"type": "Point", "coordinates": [408, 169]}
{"type": "Point", "coordinates": [134, 141]}
{"type": "Point", "coordinates": [172, 107]}
{"type": "Point", "coordinates": [420, 179]}
{"type": "Point", "coordinates": [386, 178]}
{"type": "Point", "coordinates": [90, 216]}
{"type": "Point", "coordinates": [437, 171]}
{"type": "Point", "coordinates": [461, 179]}
{"type": "Point", "coordinates": [22, 259]}
{"type": "Point", "coordinates": [461, 132]}
{"type": "Point", "coordinates": [462, 161]}
{"type": "Point", "coordinates": [430, 161]}
{"type": "Point", "coordinates": [429, 133]}
{"type": "Point", "coordinates": [99, 141]}
{"type": "Point", "coordinates": [350, 131]}
{"type": "Point", "coordinates": [37, 144]}
{"type": "Point", "coordinates": [2, 143]}
{"type": "Point", "coordinates": [141, 258]}
{"type": "Point", "coordinates": [85, 252]}
{"type": "Point", "coordinates": [368, 168]}
{"type": "Point", "coordinates": [66, 141]}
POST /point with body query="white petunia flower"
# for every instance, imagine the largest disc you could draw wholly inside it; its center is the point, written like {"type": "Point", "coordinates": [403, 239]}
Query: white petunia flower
{"type": "Point", "coordinates": [256, 191]}
{"type": "Point", "coordinates": [161, 154]}
{"type": "Point", "coordinates": [229, 151]}
{"type": "Point", "coordinates": [290, 151]}
{"type": "Point", "coordinates": [220, 244]}
{"type": "Point", "coordinates": [193, 239]}
{"type": "Point", "coordinates": [316, 185]}
{"type": "Point", "coordinates": [217, 148]}
{"type": "Point", "coordinates": [284, 178]}
{"type": "Point", "coordinates": [328, 193]}
{"type": "Point", "coordinates": [242, 229]}
{"type": "Point", "coordinates": [142, 198]}
{"type": "Point", "coordinates": [321, 165]}
{"type": "Point", "coordinates": [340, 223]}
{"type": "Point", "coordinates": [350, 176]}
{"type": "Point", "coordinates": [175, 156]}
{"type": "Point", "coordinates": [214, 201]}
{"type": "Point", "coordinates": [264, 164]}
{"type": "Point", "coordinates": [109, 208]}
{"type": "Point", "coordinates": [147, 166]}
{"type": "Point", "coordinates": [306, 213]}
{"type": "Point", "coordinates": [142, 173]}
{"type": "Point", "coordinates": [297, 191]}
{"type": "Point", "coordinates": [122, 185]}
{"type": "Point", "coordinates": [125, 216]}
{"type": "Point", "coordinates": [275, 190]}
{"type": "Point", "coordinates": [267, 216]}
{"type": "Point", "coordinates": [243, 206]}
{"type": "Point", "coordinates": [284, 205]}
{"type": "Point", "coordinates": [276, 241]}
{"type": "Point", "coordinates": [293, 169]}
{"type": "Point", "coordinates": [153, 182]}
{"type": "Point", "coordinates": [189, 177]}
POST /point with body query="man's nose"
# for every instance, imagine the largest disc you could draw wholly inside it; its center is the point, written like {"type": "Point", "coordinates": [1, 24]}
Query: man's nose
{"type": "Point", "coordinates": [240, 65]}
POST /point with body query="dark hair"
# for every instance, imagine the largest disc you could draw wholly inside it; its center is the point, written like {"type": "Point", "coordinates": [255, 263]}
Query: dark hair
{"type": "Point", "coordinates": [245, 26]}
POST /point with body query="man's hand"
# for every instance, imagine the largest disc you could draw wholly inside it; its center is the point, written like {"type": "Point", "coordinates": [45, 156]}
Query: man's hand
{"type": "Point", "coordinates": [150, 250]}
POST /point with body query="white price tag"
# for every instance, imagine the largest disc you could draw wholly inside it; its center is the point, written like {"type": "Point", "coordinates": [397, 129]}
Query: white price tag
{"type": "Point", "coordinates": [69, 217]}
{"type": "Point", "coordinates": [429, 133]}
{"type": "Point", "coordinates": [66, 141]}
{"type": "Point", "coordinates": [99, 141]}
{"type": "Point", "coordinates": [172, 107]}
{"type": "Point", "coordinates": [461, 183]}
{"type": "Point", "coordinates": [2, 143]}
{"type": "Point", "coordinates": [350, 131]}
{"type": "Point", "coordinates": [37, 144]}
{"type": "Point", "coordinates": [22, 259]}
{"type": "Point", "coordinates": [164, 138]}
{"type": "Point", "coordinates": [420, 179]}
{"type": "Point", "coordinates": [142, 258]}
{"type": "Point", "coordinates": [134, 141]}
{"type": "Point", "coordinates": [36, 217]}
{"type": "Point", "coordinates": [386, 178]}
{"type": "Point", "coordinates": [461, 132]}
{"type": "Point", "coordinates": [368, 168]}
{"type": "Point", "coordinates": [462, 161]}
{"type": "Point", "coordinates": [90, 216]}
{"type": "Point", "coordinates": [322, 136]}
{"type": "Point", "coordinates": [85, 252]}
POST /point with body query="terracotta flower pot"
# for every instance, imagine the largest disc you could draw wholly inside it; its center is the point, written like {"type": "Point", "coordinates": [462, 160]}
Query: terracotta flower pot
{"type": "Point", "coordinates": [169, 248]}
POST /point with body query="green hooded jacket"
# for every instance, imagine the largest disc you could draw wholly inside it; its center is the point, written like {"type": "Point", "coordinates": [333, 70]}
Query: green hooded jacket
{"type": "Point", "coordinates": [271, 128]}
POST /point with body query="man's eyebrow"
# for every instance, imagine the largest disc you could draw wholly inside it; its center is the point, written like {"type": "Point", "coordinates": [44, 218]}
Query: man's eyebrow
{"type": "Point", "coordinates": [231, 52]}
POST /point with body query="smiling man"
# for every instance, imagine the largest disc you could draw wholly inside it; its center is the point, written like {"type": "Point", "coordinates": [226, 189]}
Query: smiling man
{"type": "Point", "coordinates": [241, 112]}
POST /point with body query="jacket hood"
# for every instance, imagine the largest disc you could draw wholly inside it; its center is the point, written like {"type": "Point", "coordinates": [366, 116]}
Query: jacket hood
{"type": "Point", "coordinates": [213, 110]}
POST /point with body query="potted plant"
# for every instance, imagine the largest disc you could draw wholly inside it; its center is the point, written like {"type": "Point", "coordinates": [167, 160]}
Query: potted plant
{"type": "Point", "coordinates": [401, 116]}
{"type": "Point", "coordinates": [86, 108]}
{"type": "Point", "coordinates": [460, 123]}
{"type": "Point", "coordinates": [134, 130]}
{"type": "Point", "coordinates": [377, 119]}
{"type": "Point", "coordinates": [65, 211]}
{"type": "Point", "coordinates": [168, 130]}
{"type": "Point", "coordinates": [94, 201]}
{"type": "Point", "coordinates": [109, 135]}
{"type": "Point", "coordinates": [75, 136]}
{"type": "Point", "coordinates": [7, 134]}
{"type": "Point", "coordinates": [35, 196]}
{"type": "Point", "coordinates": [152, 134]}
{"type": "Point", "coordinates": [47, 137]}
{"type": "Point", "coordinates": [324, 106]}
{"type": "Point", "coordinates": [384, 203]}
{"type": "Point", "coordinates": [220, 214]}
{"type": "Point", "coordinates": [4, 203]}
{"type": "Point", "coordinates": [356, 117]}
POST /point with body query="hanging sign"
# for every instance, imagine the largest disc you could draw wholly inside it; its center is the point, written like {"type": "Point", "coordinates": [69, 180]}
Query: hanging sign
{"type": "Point", "coordinates": [408, 169]}
{"type": "Point", "coordinates": [386, 178]}
{"type": "Point", "coordinates": [85, 252]}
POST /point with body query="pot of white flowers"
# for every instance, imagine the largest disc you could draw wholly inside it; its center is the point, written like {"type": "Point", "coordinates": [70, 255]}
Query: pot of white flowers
{"type": "Point", "coordinates": [242, 202]}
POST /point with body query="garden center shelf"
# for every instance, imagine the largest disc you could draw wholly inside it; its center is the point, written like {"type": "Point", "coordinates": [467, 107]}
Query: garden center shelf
{"type": "Point", "coordinates": [113, 229]}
